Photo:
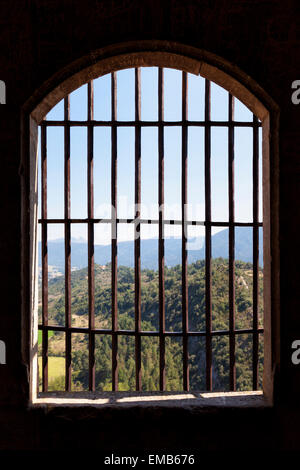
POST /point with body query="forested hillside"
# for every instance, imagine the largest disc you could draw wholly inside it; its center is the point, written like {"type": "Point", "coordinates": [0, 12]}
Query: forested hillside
{"type": "Point", "coordinates": [150, 321]}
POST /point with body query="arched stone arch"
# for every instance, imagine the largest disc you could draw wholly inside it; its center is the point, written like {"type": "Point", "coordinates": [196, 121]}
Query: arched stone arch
{"type": "Point", "coordinates": [150, 53]}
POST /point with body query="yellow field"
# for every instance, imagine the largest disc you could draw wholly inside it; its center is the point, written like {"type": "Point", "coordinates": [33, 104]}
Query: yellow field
{"type": "Point", "coordinates": [56, 367]}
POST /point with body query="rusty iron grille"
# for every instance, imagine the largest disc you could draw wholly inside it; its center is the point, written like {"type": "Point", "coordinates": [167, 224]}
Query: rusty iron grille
{"type": "Point", "coordinates": [137, 333]}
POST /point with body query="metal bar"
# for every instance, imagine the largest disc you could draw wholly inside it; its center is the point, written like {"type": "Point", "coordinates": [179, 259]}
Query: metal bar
{"type": "Point", "coordinates": [161, 244]}
{"type": "Point", "coordinates": [232, 366]}
{"type": "Point", "coordinates": [44, 259]}
{"type": "Point", "coordinates": [114, 246]}
{"type": "Point", "coordinates": [208, 303]}
{"type": "Point", "coordinates": [67, 204]}
{"type": "Point", "coordinates": [91, 266]}
{"type": "Point", "coordinates": [151, 221]}
{"type": "Point", "coordinates": [255, 253]}
{"type": "Point", "coordinates": [137, 241]}
{"type": "Point", "coordinates": [100, 331]}
{"type": "Point", "coordinates": [184, 146]}
{"type": "Point", "coordinates": [159, 123]}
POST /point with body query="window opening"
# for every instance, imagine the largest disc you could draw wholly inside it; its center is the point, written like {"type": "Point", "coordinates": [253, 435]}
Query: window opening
{"type": "Point", "coordinates": [203, 330]}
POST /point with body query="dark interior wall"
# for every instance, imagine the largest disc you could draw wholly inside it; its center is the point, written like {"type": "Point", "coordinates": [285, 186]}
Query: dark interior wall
{"type": "Point", "coordinates": [39, 38]}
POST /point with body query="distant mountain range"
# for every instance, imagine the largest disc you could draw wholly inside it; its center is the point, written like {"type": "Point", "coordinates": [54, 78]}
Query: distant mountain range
{"type": "Point", "coordinates": [149, 250]}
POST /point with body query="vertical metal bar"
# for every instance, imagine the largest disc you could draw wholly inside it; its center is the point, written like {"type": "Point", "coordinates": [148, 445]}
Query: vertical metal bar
{"type": "Point", "coordinates": [114, 246]}
{"type": "Point", "coordinates": [161, 243]}
{"type": "Point", "coordinates": [208, 303]}
{"type": "Point", "coordinates": [67, 204]}
{"type": "Point", "coordinates": [232, 367]}
{"type": "Point", "coordinates": [90, 203]}
{"type": "Point", "coordinates": [137, 241]}
{"type": "Point", "coordinates": [184, 147]}
{"type": "Point", "coordinates": [44, 259]}
{"type": "Point", "coordinates": [255, 252]}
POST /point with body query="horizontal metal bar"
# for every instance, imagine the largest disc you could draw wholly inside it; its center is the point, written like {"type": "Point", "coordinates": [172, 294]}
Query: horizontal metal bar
{"type": "Point", "coordinates": [151, 123]}
{"type": "Point", "coordinates": [151, 221]}
{"type": "Point", "coordinates": [147, 333]}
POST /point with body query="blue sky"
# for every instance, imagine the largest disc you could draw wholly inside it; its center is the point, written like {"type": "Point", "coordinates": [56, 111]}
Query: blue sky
{"type": "Point", "coordinates": [149, 183]}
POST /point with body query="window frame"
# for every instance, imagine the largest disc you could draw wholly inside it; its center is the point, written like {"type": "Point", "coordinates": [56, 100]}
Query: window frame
{"type": "Point", "coordinates": [239, 85]}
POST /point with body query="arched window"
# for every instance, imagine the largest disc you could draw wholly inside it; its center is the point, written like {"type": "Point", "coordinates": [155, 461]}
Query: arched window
{"type": "Point", "coordinates": [151, 232]}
